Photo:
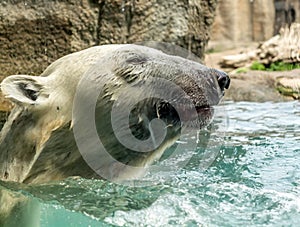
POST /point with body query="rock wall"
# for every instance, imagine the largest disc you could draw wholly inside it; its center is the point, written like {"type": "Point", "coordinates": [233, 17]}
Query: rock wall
{"type": "Point", "coordinates": [287, 12]}
{"type": "Point", "coordinates": [34, 33]}
{"type": "Point", "coordinates": [243, 21]}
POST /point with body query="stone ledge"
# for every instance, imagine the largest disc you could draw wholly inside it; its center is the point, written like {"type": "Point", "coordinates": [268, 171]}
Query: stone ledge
{"type": "Point", "coordinates": [262, 86]}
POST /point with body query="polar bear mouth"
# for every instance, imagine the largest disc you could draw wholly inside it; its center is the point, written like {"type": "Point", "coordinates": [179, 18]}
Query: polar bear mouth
{"type": "Point", "coordinates": [186, 115]}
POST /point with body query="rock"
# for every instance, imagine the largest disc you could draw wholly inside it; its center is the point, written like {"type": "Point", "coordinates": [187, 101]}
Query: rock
{"type": "Point", "coordinates": [243, 21]}
{"type": "Point", "coordinates": [287, 12]}
{"type": "Point", "coordinates": [289, 86]}
{"type": "Point", "coordinates": [35, 33]}
{"type": "Point", "coordinates": [262, 18]}
{"type": "Point", "coordinates": [262, 86]}
{"type": "Point", "coordinates": [239, 22]}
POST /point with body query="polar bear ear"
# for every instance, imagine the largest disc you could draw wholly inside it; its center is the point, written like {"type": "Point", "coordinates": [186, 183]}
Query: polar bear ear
{"type": "Point", "coordinates": [24, 89]}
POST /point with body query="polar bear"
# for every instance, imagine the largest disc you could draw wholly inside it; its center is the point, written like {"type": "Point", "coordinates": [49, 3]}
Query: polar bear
{"type": "Point", "coordinates": [131, 86]}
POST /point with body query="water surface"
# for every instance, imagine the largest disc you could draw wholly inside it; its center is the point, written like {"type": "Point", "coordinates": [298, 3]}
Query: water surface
{"type": "Point", "coordinates": [253, 180]}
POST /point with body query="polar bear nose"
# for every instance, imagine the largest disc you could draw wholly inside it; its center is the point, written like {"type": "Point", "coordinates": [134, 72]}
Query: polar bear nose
{"type": "Point", "coordinates": [223, 80]}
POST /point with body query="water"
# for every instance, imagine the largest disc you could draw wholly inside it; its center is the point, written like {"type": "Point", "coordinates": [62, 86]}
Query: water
{"type": "Point", "coordinates": [254, 180]}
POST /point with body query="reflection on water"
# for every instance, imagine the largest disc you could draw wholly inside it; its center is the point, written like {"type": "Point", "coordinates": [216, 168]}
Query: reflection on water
{"type": "Point", "coordinates": [253, 179]}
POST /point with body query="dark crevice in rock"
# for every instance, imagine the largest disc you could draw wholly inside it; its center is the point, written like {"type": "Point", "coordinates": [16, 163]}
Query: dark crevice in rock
{"type": "Point", "coordinates": [101, 7]}
{"type": "Point", "coordinates": [128, 8]}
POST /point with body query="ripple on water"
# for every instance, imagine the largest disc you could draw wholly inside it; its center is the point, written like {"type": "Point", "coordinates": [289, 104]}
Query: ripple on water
{"type": "Point", "coordinates": [254, 180]}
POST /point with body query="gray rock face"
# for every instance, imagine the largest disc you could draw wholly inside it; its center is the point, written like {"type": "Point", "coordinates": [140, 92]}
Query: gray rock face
{"type": "Point", "coordinates": [240, 21]}
{"type": "Point", "coordinates": [34, 33]}
{"type": "Point", "coordinates": [244, 21]}
{"type": "Point", "coordinates": [287, 12]}
{"type": "Point", "coordinates": [263, 86]}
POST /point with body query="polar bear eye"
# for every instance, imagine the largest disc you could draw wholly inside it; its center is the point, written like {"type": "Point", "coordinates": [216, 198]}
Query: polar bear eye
{"type": "Point", "coordinates": [136, 60]}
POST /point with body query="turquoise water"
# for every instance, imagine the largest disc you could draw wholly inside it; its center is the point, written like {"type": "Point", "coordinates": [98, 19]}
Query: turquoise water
{"type": "Point", "coordinates": [253, 180]}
